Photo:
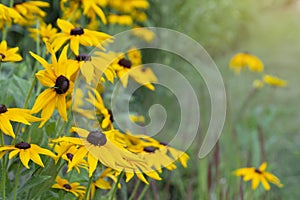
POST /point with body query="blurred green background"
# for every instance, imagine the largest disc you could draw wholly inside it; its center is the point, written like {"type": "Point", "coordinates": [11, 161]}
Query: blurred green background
{"type": "Point", "coordinates": [270, 30]}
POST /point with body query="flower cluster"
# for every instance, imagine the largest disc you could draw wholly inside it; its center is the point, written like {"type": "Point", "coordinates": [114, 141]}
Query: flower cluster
{"type": "Point", "coordinates": [101, 154]}
{"type": "Point", "coordinates": [253, 63]}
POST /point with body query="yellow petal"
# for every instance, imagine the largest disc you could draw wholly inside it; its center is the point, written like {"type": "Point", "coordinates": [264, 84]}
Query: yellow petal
{"type": "Point", "coordinates": [5, 126]}
{"type": "Point", "coordinates": [62, 107]}
{"type": "Point", "coordinates": [24, 157]}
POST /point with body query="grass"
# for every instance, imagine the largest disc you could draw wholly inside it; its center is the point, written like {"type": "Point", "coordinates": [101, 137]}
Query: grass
{"type": "Point", "coordinates": [270, 31]}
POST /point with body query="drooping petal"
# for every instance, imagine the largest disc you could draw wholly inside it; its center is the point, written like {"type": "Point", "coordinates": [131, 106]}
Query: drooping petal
{"type": "Point", "coordinates": [62, 107]}
{"type": "Point", "coordinates": [5, 126]}
{"type": "Point", "coordinates": [24, 157]}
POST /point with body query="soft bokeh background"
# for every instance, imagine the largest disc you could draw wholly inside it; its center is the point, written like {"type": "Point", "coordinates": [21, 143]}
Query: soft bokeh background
{"type": "Point", "coordinates": [270, 30]}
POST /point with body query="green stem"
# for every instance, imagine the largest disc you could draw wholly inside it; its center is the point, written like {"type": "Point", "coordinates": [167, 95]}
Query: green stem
{"type": "Point", "coordinates": [135, 189]}
{"type": "Point", "coordinates": [24, 106]}
{"type": "Point", "coordinates": [143, 192]}
{"type": "Point", "coordinates": [116, 186]}
{"type": "Point", "coordinates": [4, 35]}
{"type": "Point", "coordinates": [87, 191]}
{"type": "Point", "coordinates": [17, 181]}
{"type": "Point", "coordinates": [3, 170]}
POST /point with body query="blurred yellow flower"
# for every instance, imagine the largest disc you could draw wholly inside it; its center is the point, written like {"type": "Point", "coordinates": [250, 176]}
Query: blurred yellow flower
{"type": "Point", "coordinates": [77, 35]}
{"type": "Point", "coordinates": [242, 60]}
{"type": "Point", "coordinates": [26, 153]}
{"type": "Point", "coordinates": [137, 118]}
{"type": "Point", "coordinates": [7, 15]}
{"type": "Point", "coordinates": [9, 54]}
{"type": "Point", "coordinates": [143, 33]}
{"type": "Point", "coordinates": [274, 81]}
{"type": "Point", "coordinates": [258, 83]}
{"type": "Point", "coordinates": [74, 188]}
{"type": "Point", "coordinates": [125, 20]}
{"type": "Point", "coordinates": [45, 32]}
{"type": "Point", "coordinates": [258, 175]}
{"type": "Point", "coordinates": [14, 114]}
{"type": "Point", "coordinates": [30, 10]}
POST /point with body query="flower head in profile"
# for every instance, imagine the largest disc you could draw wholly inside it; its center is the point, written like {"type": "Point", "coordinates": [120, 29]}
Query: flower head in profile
{"type": "Point", "coordinates": [243, 60]}
{"type": "Point", "coordinates": [9, 54]}
{"type": "Point", "coordinates": [8, 15]}
{"type": "Point", "coordinates": [45, 32]}
{"type": "Point", "coordinates": [258, 175]}
{"type": "Point", "coordinates": [26, 153]}
{"type": "Point", "coordinates": [30, 10]}
{"type": "Point", "coordinates": [56, 77]}
{"type": "Point", "coordinates": [74, 188]}
{"type": "Point", "coordinates": [14, 114]}
{"type": "Point", "coordinates": [274, 81]}
{"type": "Point", "coordinates": [76, 36]}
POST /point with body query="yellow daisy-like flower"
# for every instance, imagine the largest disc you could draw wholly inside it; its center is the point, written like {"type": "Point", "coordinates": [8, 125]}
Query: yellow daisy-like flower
{"type": "Point", "coordinates": [91, 67]}
{"type": "Point", "coordinates": [76, 36]}
{"type": "Point", "coordinates": [45, 32]}
{"type": "Point", "coordinates": [274, 81]}
{"type": "Point", "coordinates": [125, 20]}
{"type": "Point", "coordinates": [92, 8]}
{"type": "Point", "coordinates": [9, 54]}
{"type": "Point", "coordinates": [258, 175]}
{"type": "Point", "coordinates": [56, 76]}
{"type": "Point", "coordinates": [128, 6]}
{"type": "Point", "coordinates": [242, 60]}
{"type": "Point", "coordinates": [30, 10]}
{"type": "Point", "coordinates": [105, 114]}
{"type": "Point", "coordinates": [143, 33]}
{"type": "Point", "coordinates": [7, 15]}
{"type": "Point", "coordinates": [26, 153]}
{"type": "Point", "coordinates": [66, 151]}
{"type": "Point", "coordinates": [14, 114]}
{"type": "Point", "coordinates": [74, 188]}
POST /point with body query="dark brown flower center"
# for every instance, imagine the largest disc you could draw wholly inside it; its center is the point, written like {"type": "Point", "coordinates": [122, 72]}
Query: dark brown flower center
{"type": "Point", "coordinates": [2, 56]}
{"type": "Point", "coordinates": [62, 85]}
{"type": "Point", "coordinates": [97, 138]}
{"type": "Point", "coordinates": [163, 143]}
{"type": "Point", "coordinates": [258, 171]}
{"type": "Point", "coordinates": [23, 145]}
{"type": "Point", "coordinates": [149, 149]}
{"type": "Point", "coordinates": [125, 63]}
{"type": "Point", "coordinates": [77, 31]}
{"type": "Point", "coordinates": [67, 186]}
{"type": "Point", "coordinates": [83, 57]}
{"type": "Point", "coordinates": [111, 118]}
{"type": "Point", "coordinates": [70, 156]}
{"type": "Point", "coordinates": [3, 108]}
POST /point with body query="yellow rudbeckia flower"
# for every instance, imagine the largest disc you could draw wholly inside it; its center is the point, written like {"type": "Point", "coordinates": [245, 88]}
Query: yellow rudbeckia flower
{"type": "Point", "coordinates": [9, 54]}
{"type": "Point", "coordinates": [274, 81]}
{"type": "Point", "coordinates": [242, 60]}
{"type": "Point", "coordinates": [258, 175]}
{"type": "Point", "coordinates": [14, 114]}
{"type": "Point", "coordinates": [45, 32]}
{"type": "Point", "coordinates": [125, 20]}
{"type": "Point", "coordinates": [26, 153]}
{"type": "Point", "coordinates": [74, 188]}
{"type": "Point", "coordinates": [56, 76]}
{"type": "Point", "coordinates": [76, 36]}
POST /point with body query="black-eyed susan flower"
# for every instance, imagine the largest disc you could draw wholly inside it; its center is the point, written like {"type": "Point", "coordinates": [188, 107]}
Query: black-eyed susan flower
{"type": "Point", "coordinates": [26, 153]}
{"type": "Point", "coordinates": [103, 113]}
{"type": "Point", "coordinates": [56, 76]}
{"type": "Point", "coordinates": [104, 181]}
{"type": "Point", "coordinates": [243, 60]}
{"type": "Point", "coordinates": [30, 10]}
{"type": "Point", "coordinates": [258, 175]}
{"type": "Point", "coordinates": [45, 32]}
{"type": "Point", "coordinates": [92, 8]}
{"type": "Point", "coordinates": [76, 36]}
{"type": "Point", "coordinates": [75, 188]}
{"type": "Point", "coordinates": [91, 67]}
{"type": "Point", "coordinates": [66, 151]}
{"type": "Point", "coordinates": [9, 54]}
{"type": "Point", "coordinates": [14, 114]}
{"type": "Point", "coordinates": [8, 15]}
{"type": "Point", "coordinates": [274, 81]}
